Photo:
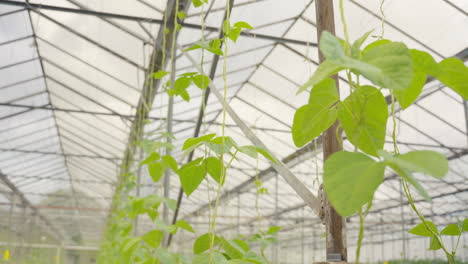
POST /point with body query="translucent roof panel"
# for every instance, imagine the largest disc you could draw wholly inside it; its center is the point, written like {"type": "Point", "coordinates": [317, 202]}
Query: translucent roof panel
{"type": "Point", "coordinates": [72, 74]}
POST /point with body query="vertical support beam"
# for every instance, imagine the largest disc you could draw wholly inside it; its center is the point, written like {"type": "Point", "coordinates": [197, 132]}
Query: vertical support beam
{"type": "Point", "coordinates": [276, 246]}
{"type": "Point", "coordinates": [238, 214]}
{"type": "Point", "coordinates": [335, 224]}
{"type": "Point", "coordinates": [167, 174]}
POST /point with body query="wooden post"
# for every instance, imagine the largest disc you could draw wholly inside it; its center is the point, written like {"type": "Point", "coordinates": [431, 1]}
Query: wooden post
{"type": "Point", "coordinates": [335, 224]}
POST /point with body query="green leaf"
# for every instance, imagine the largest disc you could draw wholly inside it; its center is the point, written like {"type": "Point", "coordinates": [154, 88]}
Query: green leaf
{"type": "Point", "coordinates": [201, 81]}
{"type": "Point", "coordinates": [191, 177]}
{"type": "Point", "coordinates": [242, 244]}
{"type": "Point", "coordinates": [197, 3]}
{"type": "Point", "coordinates": [232, 249]}
{"type": "Point", "coordinates": [408, 176]}
{"type": "Point", "coordinates": [166, 257]}
{"type": "Point", "coordinates": [423, 62]}
{"type": "Point", "coordinates": [314, 118]}
{"type": "Point", "coordinates": [222, 144]}
{"type": "Point", "coordinates": [213, 167]}
{"type": "Point", "coordinates": [454, 74]}
{"type": "Point", "coordinates": [234, 34]}
{"type": "Point", "coordinates": [170, 203]}
{"type": "Point", "coordinates": [363, 116]}
{"type": "Point", "coordinates": [181, 15]}
{"type": "Point", "coordinates": [212, 258]}
{"type": "Point", "coordinates": [253, 152]}
{"type": "Point", "coordinates": [356, 47]}
{"type": "Point", "coordinates": [158, 74]}
{"type": "Point", "coordinates": [350, 180]}
{"type": "Point", "coordinates": [424, 161]}
{"type": "Point", "coordinates": [182, 83]}
{"type": "Point", "coordinates": [242, 24]}
{"type": "Point", "coordinates": [156, 170]}
{"type": "Point", "coordinates": [407, 96]}
{"type": "Point", "coordinates": [421, 229]}
{"type": "Point", "coordinates": [154, 156]}
{"type": "Point", "coordinates": [130, 243]}
{"type": "Point", "coordinates": [203, 242]}
{"type": "Point", "coordinates": [376, 43]}
{"type": "Point", "coordinates": [185, 95]}
{"type": "Point", "coordinates": [434, 245]}
{"type": "Point", "coordinates": [189, 74]}
{"type": "Point", "coordinates": [159, 224]}
{"type": "Point", "coordinates": [195, 141]}
{"type": "Point", "coordinates": [266, 154]}
{"type": "Point", "coordinates": [465, 225]}
{"type": "Point", "coordinates": [184, 225]}
{"type": "Point", "coordinates": [153, 238]}
{"type": "Point", "coordinates": [273, 229]}
{"type": "Point", "coordinates": [324, 70]}
{"type": "Point", "coordinates": [394, 64]}
{"type": "Point", "coordinates": [451, 230]}
{"type": "Point", "coordinates": [170, 162]}
{"type": "Point", "coordinates": [331, 47]}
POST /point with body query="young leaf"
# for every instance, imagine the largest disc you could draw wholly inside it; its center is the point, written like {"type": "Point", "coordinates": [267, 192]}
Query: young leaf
{"type": "Point", "coordinates": [242, 24]}
{"type": "Point", "coordinates": [423, 62]}
{"type": "Point", "coordinates": [350, 180]}
{"type": "Point", "coordinates": [191, 177]}
{"type": "Point", "coordinates": [232, 249]}
{"type": "Point", "coordinates": [170, 203]}
{"type": "Point", "coordinates": [421, 229]}
{"type": "Point", "coordinates": [201, 81]}
{"type": "Point", "coordinates": [451, 230]}
{"type": "Point", "coordinates": [324, 70]}
{"type": "Point", "coordinates": [185, 95]}
{"type": "Point", "coordinates": [197, 3]}
{"type": "Point", "coordinates": [234, 34]}
{"type": "Point", "coordinates": [331, 47]}
{"type": "Point", "coordinates": [212, 258]}
{"type": "Point", "coordinates": [156, 170]}
{"type": "Point", "coordinates": [153, 238]}
{"type": "Point", "coordinates": [434, 245]}
{"type": "Point", "coordinates": [388, 65]}
{"type": "Point", "coordinates": [213, 167]}
{"type": "Point", "coordinates": [154, 156]}
{"type": "Point", "coordinates": [273, 229]}
{"type": "Point", "coordinates": [181, 84]}
{"type": "Point", "coordinates": [407, 96]}
{"type": "Point", "coordinates": [312, 119]}
{"type": "Point", "coordinates": [158, 74]}
{"type": "Point", "coordinates": [181, 15]}
{"type": "Point", "coordinates": [184, 225]}
{"type": "Point", "coordinates": [195, 141]}
{"type": "Point", "coordinates": [203, 242]}
{"type": "Point", "coordinates": [242, 244]}
{"type": "Point", "coordinates": [266, 154]}
{"type": "Point", "coordinates": [424, 161]}
{"type": "Point", "coordinates": [408, 176]}
{"type": "Point", "coordinates": [363, 116]}
{"type": "Point", "coordinates": [170, 162]}
{"type": "Point", "coordinates": [356, 47]}
{"type": "Point", "coordinates": [454, 74]}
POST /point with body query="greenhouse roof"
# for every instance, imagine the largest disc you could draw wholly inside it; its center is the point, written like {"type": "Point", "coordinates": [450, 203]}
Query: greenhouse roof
{"type": "Point", "coordinates": [71, 79]}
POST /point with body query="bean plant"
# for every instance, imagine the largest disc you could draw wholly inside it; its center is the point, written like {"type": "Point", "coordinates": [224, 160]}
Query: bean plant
{"type": "Point", "coordinates": [219, 151]}
{"type": "Point", "coordinates": [351, 178]}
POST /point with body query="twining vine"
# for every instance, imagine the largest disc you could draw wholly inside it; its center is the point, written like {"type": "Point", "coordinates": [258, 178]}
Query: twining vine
{"type": "Point", "coordinates": [124, 246]}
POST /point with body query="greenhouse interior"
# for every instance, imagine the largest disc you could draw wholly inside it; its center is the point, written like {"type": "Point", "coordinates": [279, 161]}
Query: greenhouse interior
{"type": "Point", "coordinates": [234, 131]}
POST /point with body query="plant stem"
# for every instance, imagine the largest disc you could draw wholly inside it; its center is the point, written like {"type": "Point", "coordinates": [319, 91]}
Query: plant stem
{"type": "Point", "coordinates": [450, 257]}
